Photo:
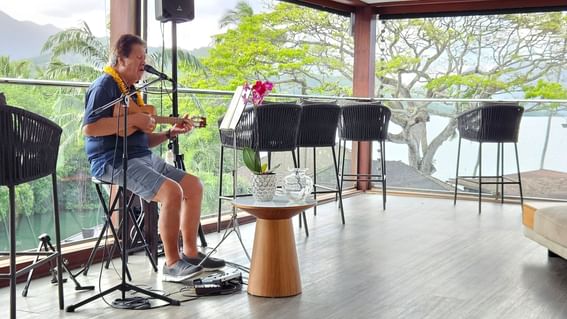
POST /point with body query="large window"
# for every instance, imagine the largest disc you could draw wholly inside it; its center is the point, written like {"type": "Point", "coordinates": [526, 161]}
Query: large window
{"type": "Point", "coordinates": [516, 56]}
{"type": "Point", "coordinates": [31, 54]}
{"type": "Point", "coordinates": [305, 52]}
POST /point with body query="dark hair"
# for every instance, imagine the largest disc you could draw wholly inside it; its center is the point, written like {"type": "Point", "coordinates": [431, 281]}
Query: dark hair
{"type": "Point", "coordinates": [123, 47]}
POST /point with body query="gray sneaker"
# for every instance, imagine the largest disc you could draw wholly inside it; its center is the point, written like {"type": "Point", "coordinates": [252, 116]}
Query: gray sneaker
{"type": "Point", "coordinates": [180, 271]}
{"type": "Point", "coordinates": [208, 265]}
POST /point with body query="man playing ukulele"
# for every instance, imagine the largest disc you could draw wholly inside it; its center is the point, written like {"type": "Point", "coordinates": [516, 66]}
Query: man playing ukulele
{"type": "Point", "coordinates": [179, 193]}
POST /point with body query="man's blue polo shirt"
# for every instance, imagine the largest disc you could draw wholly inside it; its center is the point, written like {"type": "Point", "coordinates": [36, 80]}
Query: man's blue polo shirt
{"type": "Point", "coordinates": [105, 150]}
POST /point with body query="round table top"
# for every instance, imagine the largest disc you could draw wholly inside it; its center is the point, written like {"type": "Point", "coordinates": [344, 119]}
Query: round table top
{"type": "Point", "coordinates": [280, 207]}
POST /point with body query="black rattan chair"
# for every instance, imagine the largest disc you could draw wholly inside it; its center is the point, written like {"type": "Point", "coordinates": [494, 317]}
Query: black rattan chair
{"type": "Point", "coordinates": [365, 122]}
{"type": "Point", "coordinates": [29, 146]}
{"type": "Point", "coordinates": [318, 128]}
{"type": "Point", "coordinates": [273, 128]}
{"type": "Point", "coordinates": [491, 123]}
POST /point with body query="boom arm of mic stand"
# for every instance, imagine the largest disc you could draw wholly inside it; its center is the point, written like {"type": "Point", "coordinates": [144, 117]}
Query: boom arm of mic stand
{"type": "Point", "coordinates": [121, 98]}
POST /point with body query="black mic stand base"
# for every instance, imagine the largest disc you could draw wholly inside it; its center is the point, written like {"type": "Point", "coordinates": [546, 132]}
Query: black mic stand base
{"type": "Point", "coordinates": [126, 302]}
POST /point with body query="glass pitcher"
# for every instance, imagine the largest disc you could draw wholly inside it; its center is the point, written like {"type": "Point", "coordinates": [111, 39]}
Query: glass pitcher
{"type": "Point", "coordinates": [297, 186]}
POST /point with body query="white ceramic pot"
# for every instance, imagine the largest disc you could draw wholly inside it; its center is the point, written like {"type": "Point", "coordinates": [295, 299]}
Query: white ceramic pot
{"type": "Point", "coordinates": [264, 187]}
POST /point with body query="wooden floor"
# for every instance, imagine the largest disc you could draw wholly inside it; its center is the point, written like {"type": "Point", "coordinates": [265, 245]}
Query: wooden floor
{"type": "Point", "coordinates": [421, 258]}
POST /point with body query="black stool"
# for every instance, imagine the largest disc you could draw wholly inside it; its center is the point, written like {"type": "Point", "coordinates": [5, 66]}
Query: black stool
{"type": "Point", "coordinates": [29, 146]}
{"type": "Point", "coordinates": [491, 123]}
{"type": "Point", "coordinates": [137, 236]}
{"type": "Point", "coordinates": [318, 128]}
{"type": "Point", "coordinates": [273, 129]}
{"type": "Point", "coordinates": [365, 122]}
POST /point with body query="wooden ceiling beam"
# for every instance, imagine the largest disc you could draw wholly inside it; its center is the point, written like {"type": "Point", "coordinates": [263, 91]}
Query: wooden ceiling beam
{"type": "Point", "coordinates": [325, 5]}
{"type": "Point", "coordinates": [444, 7]}
{"type": "Point", "coordinates": [424, 8]}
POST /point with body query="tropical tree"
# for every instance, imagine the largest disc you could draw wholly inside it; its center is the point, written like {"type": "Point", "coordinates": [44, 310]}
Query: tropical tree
{"type": "Point", "coordinates": [462, 57]}
{"type": "Point", "coordinates": [93, 53]}
{"type": "Point", "coordinates": [547, 90]}
{"type": "Point", "coordinates": [233, 17]}
{"type": "Point", "coordinates": [14, 69]}
{"type": "Point", "coordinates": [308, 51]}
{"type": "Point", "coordinates": [79, 41]}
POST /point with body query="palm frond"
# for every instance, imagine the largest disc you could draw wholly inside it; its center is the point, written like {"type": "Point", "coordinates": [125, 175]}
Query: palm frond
{"type": "Point", "coordinates": [60, 70]}
{"type": "Point", "coordinates": [235, 16]}
{"type": "Point", "coordinates": [19, 68]}
{"type": "Point", "coordinates": [80, 41]}
{"type": "Point", "coordinates": [184, 59]}
{"type": "Point", "coordinates": [229, 18]}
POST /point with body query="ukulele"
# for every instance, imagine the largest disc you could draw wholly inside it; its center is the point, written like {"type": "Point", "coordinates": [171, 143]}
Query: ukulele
{"type": "Point", "coordinates": [133, 108]}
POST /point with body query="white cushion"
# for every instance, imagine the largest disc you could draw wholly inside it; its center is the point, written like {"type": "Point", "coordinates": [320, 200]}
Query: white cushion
{"type": "Point", "coordinates": [551, 223]}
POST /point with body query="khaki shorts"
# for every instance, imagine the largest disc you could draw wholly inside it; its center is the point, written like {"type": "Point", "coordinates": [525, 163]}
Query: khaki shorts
{"type": "Point", "coordinates": [145, 175]}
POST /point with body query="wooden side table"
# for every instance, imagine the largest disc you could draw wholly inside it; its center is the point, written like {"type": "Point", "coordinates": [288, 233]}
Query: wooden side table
{"type": "Point", "coordinates": [274, 271]}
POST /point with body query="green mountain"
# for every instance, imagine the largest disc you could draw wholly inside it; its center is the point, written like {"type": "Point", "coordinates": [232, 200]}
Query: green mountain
{"type": "Point", "coordinates": [22, 39]}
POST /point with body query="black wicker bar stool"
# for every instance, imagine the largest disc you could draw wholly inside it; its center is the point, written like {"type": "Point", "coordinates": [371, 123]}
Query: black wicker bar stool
{"type": "Point", "coordinates": [273, 129]}
{"type": "Point", "coordinates": [29, 146]}
{"type": "Point", "coordinates": [491, 123]}
{"type": "Point", "coordinates": [365, 122]}
{"type": "Point", "coordinates": [318, 128]}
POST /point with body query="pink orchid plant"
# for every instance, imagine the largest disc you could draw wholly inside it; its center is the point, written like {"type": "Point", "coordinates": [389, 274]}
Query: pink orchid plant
{"type": "Point", "coordinates": [255, 94]}
{"type": "Point", "coordinates": [258, 92]}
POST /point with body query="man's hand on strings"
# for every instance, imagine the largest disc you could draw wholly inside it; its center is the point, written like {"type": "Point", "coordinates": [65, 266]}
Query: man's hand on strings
{"type": "Point", "coordinates": [182, 127]}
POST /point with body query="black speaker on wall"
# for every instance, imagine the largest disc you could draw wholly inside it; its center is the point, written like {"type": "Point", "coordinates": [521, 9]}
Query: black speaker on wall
{"type": "Point", "coordinates": [175, 10]}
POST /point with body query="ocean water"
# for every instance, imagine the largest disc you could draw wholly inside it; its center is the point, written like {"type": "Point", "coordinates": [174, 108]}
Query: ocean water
{"type": "Point", "coordinates": [530, 147]}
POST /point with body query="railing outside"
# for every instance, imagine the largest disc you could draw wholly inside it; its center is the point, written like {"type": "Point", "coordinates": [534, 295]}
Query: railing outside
{"type": "Point", "coordinates": [424, 168]}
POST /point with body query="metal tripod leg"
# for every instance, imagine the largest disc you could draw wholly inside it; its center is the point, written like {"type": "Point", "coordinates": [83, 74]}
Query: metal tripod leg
{"type": "Point", "coordinates": [45, 245]}
{"type": "Point", "coordinates": [233, 223]}
{"type": "Point", "coordinates": [232, 226]}
{"type": "Point", "coordinates": [108, 225]}
{"type": "Point", "coordinates": [64, 265]}
{"type": "Point", "coordinates": [40, 247]}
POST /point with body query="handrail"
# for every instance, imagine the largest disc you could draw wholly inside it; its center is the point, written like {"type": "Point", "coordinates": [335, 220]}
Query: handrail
{"type": "Point", "coordinates": [57, 83]}
{"type": "Point", "coordinates": [44, 82]}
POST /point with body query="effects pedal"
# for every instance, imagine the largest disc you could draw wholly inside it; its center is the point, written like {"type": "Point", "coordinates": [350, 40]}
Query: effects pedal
{"type": "Point", "coordinates": [208, 289]}
{"type": "Point", "coordinates": [218, 283]}
{"type": "Point", "coordinates": [220, 278]}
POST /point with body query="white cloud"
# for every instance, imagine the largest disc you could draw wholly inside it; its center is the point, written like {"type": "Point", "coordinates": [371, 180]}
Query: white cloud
{"type": "Point", "coordinates": [60, 13]}
{"type": "Point", "coordinates": [64, 8]}
{"type": "Point", "coordinates": [69, 13]}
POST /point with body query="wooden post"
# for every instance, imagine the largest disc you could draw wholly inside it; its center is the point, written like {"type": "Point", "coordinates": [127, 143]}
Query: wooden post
{"type": "Point", "coordinates": [363, 80]}
{"type": "Point", "coordinates": [124, 18]}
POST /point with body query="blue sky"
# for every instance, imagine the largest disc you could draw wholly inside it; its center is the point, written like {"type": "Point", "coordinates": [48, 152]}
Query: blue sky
{"type": "Point", "coordinates": [68, 13]}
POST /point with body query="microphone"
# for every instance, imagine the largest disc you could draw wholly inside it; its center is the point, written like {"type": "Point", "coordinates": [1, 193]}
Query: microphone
{"type": "Point", "coordinates": [150, 69]}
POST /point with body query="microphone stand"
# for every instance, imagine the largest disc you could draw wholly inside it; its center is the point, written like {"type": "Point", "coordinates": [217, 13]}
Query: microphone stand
{"type": "Point", "coordinates": [174, 143]}
{"type": "Point", "coordinates": [124, 303]}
